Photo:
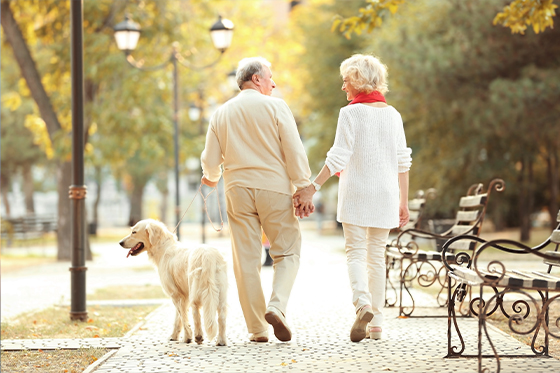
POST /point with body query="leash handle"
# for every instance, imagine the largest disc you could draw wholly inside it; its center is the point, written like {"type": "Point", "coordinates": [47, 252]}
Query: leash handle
{"type": "Point", "coordinates": [204, 198]}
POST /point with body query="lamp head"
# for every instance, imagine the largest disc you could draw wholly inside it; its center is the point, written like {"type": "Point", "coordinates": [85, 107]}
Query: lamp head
{"type": "Point", "coordinates": [221, 33]}
{"type": "Point", "coordinates": [127, 34]}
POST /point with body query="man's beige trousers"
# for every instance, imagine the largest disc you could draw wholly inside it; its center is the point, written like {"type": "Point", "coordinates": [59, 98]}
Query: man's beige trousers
{"type": "Point", "coordinates": [249, 209]}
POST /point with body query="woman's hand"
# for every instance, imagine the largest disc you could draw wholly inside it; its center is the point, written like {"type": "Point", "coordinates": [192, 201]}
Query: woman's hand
{"type": "Point", "coordinates": [211, 184]}
{"type": "Point", "coordinates": [404, 215]}
{"type": "Point", "coordinates": [303, 201]}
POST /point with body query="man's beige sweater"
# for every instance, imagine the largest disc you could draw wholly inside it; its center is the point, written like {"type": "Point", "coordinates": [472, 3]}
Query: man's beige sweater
{"type": "Point", "coordinates": [256, 138]}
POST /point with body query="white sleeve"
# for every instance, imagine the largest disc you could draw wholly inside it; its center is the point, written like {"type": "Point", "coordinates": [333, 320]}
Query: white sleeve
{"type": "Point", "coordinates": [403, 152]}
{"type": "Point", "coordinates": [343, 148]}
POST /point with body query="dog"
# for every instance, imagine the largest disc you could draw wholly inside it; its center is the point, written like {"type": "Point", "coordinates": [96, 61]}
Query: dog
{"type": "Point", "coordinates": [194, 277]}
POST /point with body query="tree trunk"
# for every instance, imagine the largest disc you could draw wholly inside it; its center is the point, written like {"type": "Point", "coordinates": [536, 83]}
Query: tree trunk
{"type": "Point", "coordinates": [28, 69]}
{"type": "Point", "coordinates": [28, 189]}
{"type": "Point", "coordinates": [136, 198]}
{"type": "Point", "coordinates": [5, 189]}
{"type": "Point", "coordinates": [163, 206]}
{"type": "Point", "coordinates": [525, 198]}
{"type": "Point", "coordinates": [553, 181]}
{"type": "Point", "coordinates": [32, 78]}
{"type": "Point", "coordinates": [98, 181]}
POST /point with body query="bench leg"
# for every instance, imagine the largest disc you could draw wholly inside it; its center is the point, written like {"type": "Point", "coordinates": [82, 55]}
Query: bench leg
{"type": "Point", "coordinates": [458, 294]}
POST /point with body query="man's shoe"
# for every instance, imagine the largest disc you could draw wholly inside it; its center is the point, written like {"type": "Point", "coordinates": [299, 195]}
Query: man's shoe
{"type": "Point", "coordinates": [358, 332]}
{"type": "Point", "coordinates": [259, 337]}
{"type": "Point", "coordinates": [274, 317]}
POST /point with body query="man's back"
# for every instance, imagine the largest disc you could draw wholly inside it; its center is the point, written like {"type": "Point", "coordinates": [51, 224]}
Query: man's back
{"type": "Point", "coordinates": [259, 143]}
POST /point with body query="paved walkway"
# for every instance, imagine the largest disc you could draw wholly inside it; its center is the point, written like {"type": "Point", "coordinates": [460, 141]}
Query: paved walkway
{"type": "Point", "coordinates": [320, 314]}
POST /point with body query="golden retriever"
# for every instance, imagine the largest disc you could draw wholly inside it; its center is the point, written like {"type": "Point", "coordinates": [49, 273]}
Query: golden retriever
{"type": "Point", "coordinates": [190, 276]}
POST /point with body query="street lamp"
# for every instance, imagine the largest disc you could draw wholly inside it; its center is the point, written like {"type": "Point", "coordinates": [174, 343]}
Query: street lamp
{"type": "Point", "coordinates": [127, 34]}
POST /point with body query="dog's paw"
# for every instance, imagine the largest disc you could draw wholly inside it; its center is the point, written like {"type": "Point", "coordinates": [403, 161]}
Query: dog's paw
{"type": "Point", "coordinates": [221, 343]}
{"type": "Point", "coordinates": [174, 338]}
{"type": "Point", "coordinates": [187, 340]}
{"type": "Point", "coordinates": [198, 339]}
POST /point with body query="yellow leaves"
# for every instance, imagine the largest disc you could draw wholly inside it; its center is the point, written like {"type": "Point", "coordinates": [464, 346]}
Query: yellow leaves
{"type": "Point", "coordinates": [41, 137]}
{"type": "Point", "coordinates": [370, 17]}
{"type": "Point", "coordinates": [11, 100]}
{"type": "Point", "coordinates": [522, 13]}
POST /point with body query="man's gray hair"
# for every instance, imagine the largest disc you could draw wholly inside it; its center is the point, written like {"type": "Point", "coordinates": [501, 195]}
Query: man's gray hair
{"type": "Point", "coordinates": [248, 67]}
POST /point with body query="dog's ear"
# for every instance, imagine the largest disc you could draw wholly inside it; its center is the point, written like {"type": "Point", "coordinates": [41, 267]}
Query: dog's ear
{"type": "Point", "coordinates": [154, 233]}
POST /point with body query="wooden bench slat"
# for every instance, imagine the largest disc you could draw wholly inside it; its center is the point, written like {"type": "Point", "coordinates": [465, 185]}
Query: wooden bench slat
{"type": "Point", "coordinates": [467, 216]}
{"type": "Point", "coordinates": [461, 229]}
{"type": "Point", "coordinates": [473, 201]}
{"type": "Point", "coordinates": [416, 204]}
{"type": "Point", "coordinates": [413, 215]}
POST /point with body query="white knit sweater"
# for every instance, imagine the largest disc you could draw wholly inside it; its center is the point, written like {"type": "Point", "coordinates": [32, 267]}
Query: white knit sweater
{"type": "Point", "coordinates": [370, 150]}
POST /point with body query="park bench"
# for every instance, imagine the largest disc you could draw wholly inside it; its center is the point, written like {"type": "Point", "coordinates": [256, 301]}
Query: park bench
{"type": "Point", "coordinates": [27, 227]}
{"type": "Point", "coordinates": [425, 266]}
{"type": "Point", "coordinates": [415, 208]}
{"type": "Point", "coordinates": [526, 291]}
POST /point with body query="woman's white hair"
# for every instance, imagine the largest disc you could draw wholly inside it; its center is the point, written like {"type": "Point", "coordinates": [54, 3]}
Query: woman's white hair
{"type": "Point", "coordinates": [248, 67]}
{"type": "Point", "coordinates": [365, 73]}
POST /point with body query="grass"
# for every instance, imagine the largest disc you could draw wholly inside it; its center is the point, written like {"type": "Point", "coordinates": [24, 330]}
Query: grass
{"type": "Point", "coordinates": [128, 292]}
{"type": "Point", "coordinates": [68, 361]}
{"type": "Point", "coordinates": [54, 322]}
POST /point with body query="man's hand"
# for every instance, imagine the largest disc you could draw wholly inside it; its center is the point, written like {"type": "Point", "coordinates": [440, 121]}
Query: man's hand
{"type": "Point", "coordinates": [211, 184]}
{"type": "Point", "coordinates": [404, 215]}
{"type": "Point", "coordinates": [303, 201]}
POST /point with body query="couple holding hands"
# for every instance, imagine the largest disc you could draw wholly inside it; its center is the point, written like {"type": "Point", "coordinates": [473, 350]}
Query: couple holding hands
{"type": "Point", "coordinates": [256, 139]}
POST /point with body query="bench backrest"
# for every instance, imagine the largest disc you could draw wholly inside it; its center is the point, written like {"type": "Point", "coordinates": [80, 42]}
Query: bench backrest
{"type": "Point", "coordinates": [471, 213]}
{"type": "Point", "coordinates": [555, 240]}
{"type": "Point", "coordinates": [416, 207]}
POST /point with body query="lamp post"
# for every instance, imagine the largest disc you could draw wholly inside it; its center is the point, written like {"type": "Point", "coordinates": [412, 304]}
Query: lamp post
{"type": "Point", "coordinates": [127, 34]}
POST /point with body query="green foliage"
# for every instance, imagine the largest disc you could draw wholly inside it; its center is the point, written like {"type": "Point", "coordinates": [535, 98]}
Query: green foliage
{"type": "Point", "coordinates": [516, 16]}
{"type": "Point", "coordinates": [476, 102]}
{"type": "Point", "coordinates": [129, 112]}
{"type": "Point", "coordinates": [316, 97]}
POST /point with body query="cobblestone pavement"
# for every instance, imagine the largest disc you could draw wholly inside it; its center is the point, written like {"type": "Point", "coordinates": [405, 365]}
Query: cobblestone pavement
{"type": "Point", "coordinates": [320, 314]}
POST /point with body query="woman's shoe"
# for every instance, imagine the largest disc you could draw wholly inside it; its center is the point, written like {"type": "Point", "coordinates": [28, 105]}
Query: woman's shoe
{"type": "Point", "coordinates": [358, 332]}
{"type": "Point", "coordinates": [375, 332]}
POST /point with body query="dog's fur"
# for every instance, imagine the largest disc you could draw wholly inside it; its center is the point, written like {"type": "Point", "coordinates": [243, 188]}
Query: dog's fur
{"type": "Point", "coordinates": [190, 276]}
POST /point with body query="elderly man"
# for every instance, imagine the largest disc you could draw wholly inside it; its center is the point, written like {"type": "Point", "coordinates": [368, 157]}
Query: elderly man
{"type": "Point", "coordinates": [256, 138]}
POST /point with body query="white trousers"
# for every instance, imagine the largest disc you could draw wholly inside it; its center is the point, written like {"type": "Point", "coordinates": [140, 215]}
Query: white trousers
{"type": "Point", "coordinates": [365, 253]}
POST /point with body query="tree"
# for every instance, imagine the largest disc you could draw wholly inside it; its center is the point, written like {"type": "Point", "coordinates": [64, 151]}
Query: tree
{"type": "Point", "coordinates": [477, 103]}
{"type": "Point", "coordinates": [124, 107]}
{"type": "Point", "coordinates": [516, 16]}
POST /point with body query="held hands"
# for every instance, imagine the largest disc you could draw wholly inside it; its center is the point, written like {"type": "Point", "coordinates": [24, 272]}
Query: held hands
{"type": "Point", "coordinates": [211, 184]}
{"type": "Point", "coordinates": [404, 215]}
{"type": "Point", "coordinates": [303, 201]}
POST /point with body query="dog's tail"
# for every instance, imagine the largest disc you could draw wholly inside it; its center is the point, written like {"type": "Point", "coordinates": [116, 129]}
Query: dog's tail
{"type": "Point", "coordinates": [204, 285]}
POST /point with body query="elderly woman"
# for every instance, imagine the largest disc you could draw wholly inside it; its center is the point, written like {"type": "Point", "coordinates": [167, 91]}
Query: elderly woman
{"type": "Point", "coordinates": [371, 157]}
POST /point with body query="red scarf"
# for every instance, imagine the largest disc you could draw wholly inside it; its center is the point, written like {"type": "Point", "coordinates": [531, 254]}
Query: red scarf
{"type": "Point", "coordinates": [363, 97]}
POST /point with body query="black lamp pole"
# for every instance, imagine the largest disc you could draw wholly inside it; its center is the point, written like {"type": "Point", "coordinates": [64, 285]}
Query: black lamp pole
{"type": "Point", "coordinates": [78, 189]}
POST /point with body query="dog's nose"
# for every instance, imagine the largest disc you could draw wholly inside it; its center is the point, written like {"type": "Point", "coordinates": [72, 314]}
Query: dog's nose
{"type": "Point", "coordinates": [121, 243]}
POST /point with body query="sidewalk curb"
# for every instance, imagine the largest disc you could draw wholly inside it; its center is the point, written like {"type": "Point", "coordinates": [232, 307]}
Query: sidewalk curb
{"type": "Point", "coordinates": [139, 325]}
{"type": "Point", "coordinates": [100, 361]}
